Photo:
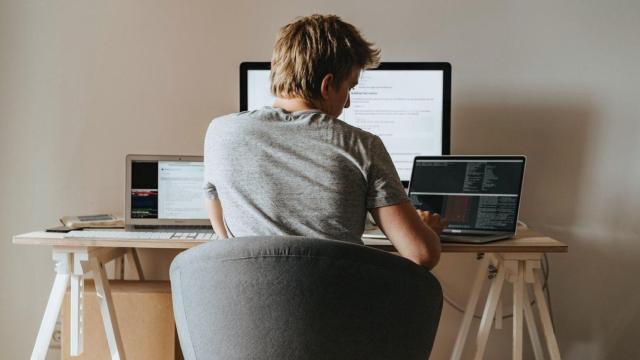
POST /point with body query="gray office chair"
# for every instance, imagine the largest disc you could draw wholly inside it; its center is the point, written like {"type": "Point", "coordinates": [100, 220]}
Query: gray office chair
{"type": "Point", "coordinates": [302, 298]}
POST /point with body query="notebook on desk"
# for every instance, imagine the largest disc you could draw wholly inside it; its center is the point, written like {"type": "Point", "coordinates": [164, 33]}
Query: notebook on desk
{"type": "Point", "coordinates": [479, 195]}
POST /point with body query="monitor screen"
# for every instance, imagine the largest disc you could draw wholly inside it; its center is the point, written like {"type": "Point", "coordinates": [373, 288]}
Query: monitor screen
{"type": "Point", "coordinates": [168, 190]}
{"type": "Point", "coordinates": [406, 104]}
{"type": "Point", "coordinates": [474, 194]}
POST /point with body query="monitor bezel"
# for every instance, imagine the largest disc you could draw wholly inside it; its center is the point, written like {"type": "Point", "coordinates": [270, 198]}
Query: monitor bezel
{"type": "Point", "coordinates": [522, 158]}
{"type": "Point", "coordinates": [445, 67]}
{"type": "Point", "coordinates": [156, 158]}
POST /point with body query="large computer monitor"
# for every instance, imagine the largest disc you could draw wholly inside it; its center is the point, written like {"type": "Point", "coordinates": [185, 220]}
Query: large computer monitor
{"type": "Point", "coordinates": [407, 104]}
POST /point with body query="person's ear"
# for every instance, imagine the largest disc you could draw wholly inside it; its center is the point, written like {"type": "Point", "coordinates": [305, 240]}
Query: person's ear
{"type": "Point", "coordinates": [327, 83]}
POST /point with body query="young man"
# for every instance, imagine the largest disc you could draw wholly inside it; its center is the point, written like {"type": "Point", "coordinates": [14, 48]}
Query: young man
{"type": "Point", "coordinates": [295, 169]}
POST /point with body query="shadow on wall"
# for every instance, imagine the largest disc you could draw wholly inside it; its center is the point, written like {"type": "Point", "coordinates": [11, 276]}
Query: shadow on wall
{"type": "Point", "coordinates": [554, 138]}
{"type": "Point", "coordinates": [554, 135]}
{"type": "Point", "coordinates": [595, 297]}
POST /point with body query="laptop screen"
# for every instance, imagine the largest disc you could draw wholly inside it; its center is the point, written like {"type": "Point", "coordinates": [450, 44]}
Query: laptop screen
{"type": "Point", "coordinates": [170, 190]}
{"type": "Point", "coordinates": [476, 194]}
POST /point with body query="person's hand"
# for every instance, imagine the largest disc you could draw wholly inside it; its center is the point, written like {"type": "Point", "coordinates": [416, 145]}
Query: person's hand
{"type": "Point", "coordinates": [433, 221]}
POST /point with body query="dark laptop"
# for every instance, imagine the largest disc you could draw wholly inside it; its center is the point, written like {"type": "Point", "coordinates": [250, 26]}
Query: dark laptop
{"type": "Point", "coordinates": [479, 195]}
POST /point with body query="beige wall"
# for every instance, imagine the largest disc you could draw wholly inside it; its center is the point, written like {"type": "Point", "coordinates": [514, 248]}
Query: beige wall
{"type": "Point", "coordinates": [82, 83]}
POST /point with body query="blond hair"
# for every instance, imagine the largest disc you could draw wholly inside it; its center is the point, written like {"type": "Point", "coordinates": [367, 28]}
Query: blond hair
{"type": "Point", "coordinates": [313, 46]}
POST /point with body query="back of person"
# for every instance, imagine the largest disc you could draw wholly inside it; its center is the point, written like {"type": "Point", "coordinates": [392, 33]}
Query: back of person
{"type": "Point", "coordinates": [295, 169]}
{"type": "Point", "coordinates": [302, 173]}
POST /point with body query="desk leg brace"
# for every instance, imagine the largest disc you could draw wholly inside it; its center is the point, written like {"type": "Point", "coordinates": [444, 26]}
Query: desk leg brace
{"type": "Point", "coordinates": [518, 310]}
{"type": "Point", "coordinates": [545, 318]}
{"type": "Point", "coordinates": [118, 268]}
{"type": "Point", "coordinates": [77, 304]}
{"type": "Point", "coordinates": [529, 317]}
{"type": "Point", "coordinates": [470, 309]}
{"type": "Point", "coordinates": [489, 312]}
{"type": "Point", "coordinates": [532, 328]}
{"type": "Point", "coordinates": [134, 262]}
{"type": "Point", "coordinates": [63, 267]}
{"type": "Point", "coordinates": [103, 292]}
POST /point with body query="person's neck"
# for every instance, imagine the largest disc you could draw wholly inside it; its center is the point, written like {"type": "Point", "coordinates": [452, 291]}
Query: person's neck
{"type": "Point", "coordinates": [294, 104]}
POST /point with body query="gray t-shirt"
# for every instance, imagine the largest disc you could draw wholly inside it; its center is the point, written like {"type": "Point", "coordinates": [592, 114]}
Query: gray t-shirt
{"type": "Point", "coordinates": [303, 173]}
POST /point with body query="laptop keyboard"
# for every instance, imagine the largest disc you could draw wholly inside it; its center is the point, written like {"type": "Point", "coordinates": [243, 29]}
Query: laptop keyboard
{"type": "Point", "coordinates": [195, 228]}
{"type": "Point", "coordinates": [143, 235]}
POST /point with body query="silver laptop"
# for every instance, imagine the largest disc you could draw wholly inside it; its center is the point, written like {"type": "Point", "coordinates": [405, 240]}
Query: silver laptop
{"type": "Point", "coordinates": [479, 195]}
{"type": "Point", "coordinates": [165, 193]}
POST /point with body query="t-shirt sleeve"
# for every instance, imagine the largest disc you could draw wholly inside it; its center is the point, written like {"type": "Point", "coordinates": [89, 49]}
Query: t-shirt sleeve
{"type": "Point", "coordinates": [210, 191]}
{"type": "Point", "coordinates": [384, 185]}
{"type": "Point", "coordinates": [209, 188]}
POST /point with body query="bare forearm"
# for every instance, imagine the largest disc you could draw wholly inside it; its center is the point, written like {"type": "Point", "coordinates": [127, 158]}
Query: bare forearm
{"type": "Point", "coordinates": [410, 236]}
{"type": "Point", "coordinates": [427, 255]}
{"type": "Point", "coordinates": [214, 209]}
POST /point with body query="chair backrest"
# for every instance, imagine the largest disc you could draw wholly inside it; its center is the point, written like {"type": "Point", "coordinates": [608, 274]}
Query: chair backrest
{"type": "Point", "coordinates": [302, 298]}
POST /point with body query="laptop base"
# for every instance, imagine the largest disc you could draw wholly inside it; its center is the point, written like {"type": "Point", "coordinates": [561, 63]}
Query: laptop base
{"type": "Point", "coordinates": [474, 239]}
{"type": "Point", "coordinates": [376, 233]}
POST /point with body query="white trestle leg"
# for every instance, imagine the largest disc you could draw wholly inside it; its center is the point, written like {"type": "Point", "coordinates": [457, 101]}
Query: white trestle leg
{"type": "Point", "coordinates": [60, 284]}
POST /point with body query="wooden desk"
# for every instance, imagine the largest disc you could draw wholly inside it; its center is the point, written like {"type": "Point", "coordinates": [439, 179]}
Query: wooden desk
{"type": "Point", "coordinates": [526, 240]}
{"type": "Point", "coordinates": [516, 260]}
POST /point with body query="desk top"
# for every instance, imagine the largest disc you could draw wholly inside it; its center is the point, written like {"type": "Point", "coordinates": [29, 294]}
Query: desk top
{"type": "Point", "coordinates": [525, 241]}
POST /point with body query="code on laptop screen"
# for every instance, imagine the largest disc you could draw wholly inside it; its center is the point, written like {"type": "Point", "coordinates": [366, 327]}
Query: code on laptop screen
{"type": "Point", "coordinates": [471, 194]}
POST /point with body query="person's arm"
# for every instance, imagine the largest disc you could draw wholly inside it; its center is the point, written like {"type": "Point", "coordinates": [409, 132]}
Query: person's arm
{"type": "Point", "coordinates": [411, 233]}
{"type": "Point", "coordinates": [214, 209]}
